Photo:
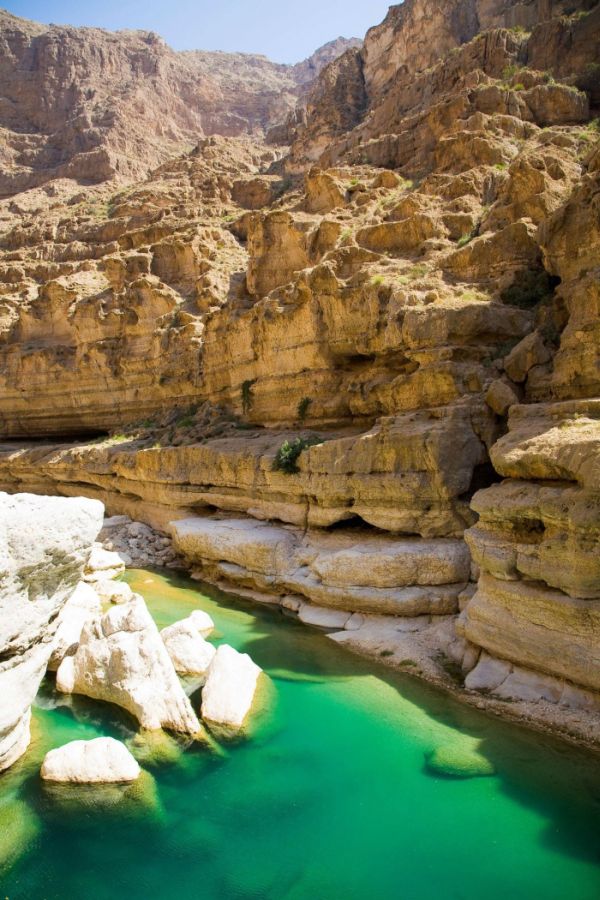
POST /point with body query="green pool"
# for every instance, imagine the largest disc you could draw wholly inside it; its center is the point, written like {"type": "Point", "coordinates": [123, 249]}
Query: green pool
{"type": "Point", "coordinates": [332, 798]}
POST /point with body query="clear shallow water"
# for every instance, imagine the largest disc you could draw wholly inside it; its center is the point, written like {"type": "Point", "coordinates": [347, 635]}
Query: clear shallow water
{"type": "Point", "coordinates": [330, 799]}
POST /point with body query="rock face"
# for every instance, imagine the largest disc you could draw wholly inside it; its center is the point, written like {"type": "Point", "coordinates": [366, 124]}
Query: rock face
{"type": "Point", "coordinates": [99, 761]}
{"type": "Point", "coordinates": [356, 571]}
{"type": "Point", "coordinates": [229, 691]}
{"type": "Point", "coordinates": [121, 659]}
{"type": "Point", "coordinates": [375, 350]}
{"type": "Point", "coordinates": [538, 597]}
{"type": "Point", "coordinates": [91, 105]}
{"type": "Point", "coordinates": [44, 545]}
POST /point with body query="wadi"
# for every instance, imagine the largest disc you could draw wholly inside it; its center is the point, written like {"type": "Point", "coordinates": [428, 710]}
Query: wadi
{"type": "Point", "coordinates": [300, 461]}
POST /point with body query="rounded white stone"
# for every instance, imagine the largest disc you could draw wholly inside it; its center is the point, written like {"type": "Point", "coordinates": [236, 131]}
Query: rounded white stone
{"type": "Point", "coordinates": [99, 761]}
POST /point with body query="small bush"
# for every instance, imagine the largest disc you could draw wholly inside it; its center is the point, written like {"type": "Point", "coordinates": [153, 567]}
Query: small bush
{"type": "Point", "coordinates": [519, 87]}
{"type": "Point", "coordinates": [509, 71]}
{"type": "Point", "coordinates": [465, 239]}
{"type": "Point", "coordinates": [287, 456]}
{"type": "Point", "coordinates": [530, 287]}
{"type": "Point", "coordinates": [376, 280]}
{"type": "Point", "coordinates": [417, 271]}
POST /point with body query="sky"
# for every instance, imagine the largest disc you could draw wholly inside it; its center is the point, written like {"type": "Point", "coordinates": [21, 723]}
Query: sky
{"type": "Point", "coordinates": [284, 31]}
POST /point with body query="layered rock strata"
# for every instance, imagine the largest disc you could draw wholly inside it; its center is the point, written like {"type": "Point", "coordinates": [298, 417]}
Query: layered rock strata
{"type": "Point", "coordinates": [355, 571]}
{"type": "Point", "coordinates": [357, 361]}
{"type": "Point", "coordinates": [86, 105]}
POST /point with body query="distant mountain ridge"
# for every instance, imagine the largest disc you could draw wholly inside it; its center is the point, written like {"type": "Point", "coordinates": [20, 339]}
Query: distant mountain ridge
{"type": "Point", "coordinates": [91, 105]}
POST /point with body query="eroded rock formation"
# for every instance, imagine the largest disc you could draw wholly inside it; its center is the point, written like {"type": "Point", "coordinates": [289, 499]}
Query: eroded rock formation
{"type": "Point", "coordinates": [84, 105]}
{"type": "Point", "coordinates": [359, 373]}
{"type": "Point", "coordinates": [121, 659]}
{"type": "Point", "coordinates": [44, 545]}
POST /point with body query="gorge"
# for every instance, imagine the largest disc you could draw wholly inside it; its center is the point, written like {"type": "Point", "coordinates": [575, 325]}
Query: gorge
{"type": "Point", "coordinates": [325, 337]}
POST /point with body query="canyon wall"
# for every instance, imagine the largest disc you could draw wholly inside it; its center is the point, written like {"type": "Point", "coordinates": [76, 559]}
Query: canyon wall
{"type": "Point", "coordinates": [87, 105]}
{"type": "Point", "coordinates": [360, 374]}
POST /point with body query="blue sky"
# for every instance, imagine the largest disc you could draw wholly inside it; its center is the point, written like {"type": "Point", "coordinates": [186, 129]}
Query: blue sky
{"type": "Point", "coordinates": [283, 30]}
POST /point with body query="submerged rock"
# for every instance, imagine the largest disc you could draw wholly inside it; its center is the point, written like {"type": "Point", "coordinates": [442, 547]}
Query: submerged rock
{"type": "Point", "coordinates": [44, 544]}
{"type": "Point", "coordinates": [86, 802]}
{"type": "Point", "coordinates": [122, 659]}
{"type": "Point", "coordinates": [230, 689]}
{"type": "Point", "coordinates": [157, 748]}
{"type": "Point", "coordinates": [184, 640]}
{"type": "Point", "coordinates": [99, 761]}
{"type": "Point", "coordinates": [458, 762]}
{"type": "Point", "coordinates": [19, 827]}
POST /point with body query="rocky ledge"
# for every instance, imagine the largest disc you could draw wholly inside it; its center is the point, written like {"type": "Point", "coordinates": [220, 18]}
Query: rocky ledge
{"type": "Point", "coordinates": [356, 367]}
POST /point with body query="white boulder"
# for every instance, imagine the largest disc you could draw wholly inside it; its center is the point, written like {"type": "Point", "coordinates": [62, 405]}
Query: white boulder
{"type": "Point", "coordinates": [202, 622]}
{"type": "Point", "coordinates": [100, 761]}
{"type": "Point", "coordinates": [44, 545]}
{"type": "Point", "coordinates": [189, 652]}
{"type": "Point", "coordinates": [103, 564]}
{"type": "Point", "coordinates": [122, 659]}
{"type": "Point", "coordinates": [81, 606]}
{"type": "Point", "coordinates": [230, 688]}
{"type": "Point", "coordinates": [113, 591]}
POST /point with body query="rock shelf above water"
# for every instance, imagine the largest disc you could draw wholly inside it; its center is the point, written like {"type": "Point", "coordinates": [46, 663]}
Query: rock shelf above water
{"type": "Point", "coordinates": [99, 761]}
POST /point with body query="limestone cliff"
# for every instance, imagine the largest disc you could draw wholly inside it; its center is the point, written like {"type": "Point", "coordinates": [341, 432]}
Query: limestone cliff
{"type": "Point", "coordinates": [88, 105]}
{"type": "Point", "coordinates": [367, 370]}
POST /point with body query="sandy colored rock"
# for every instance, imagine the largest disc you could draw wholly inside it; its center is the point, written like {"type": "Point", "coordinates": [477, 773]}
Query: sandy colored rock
{"type": "Point", "coordinates": [353, 571]}
{"type": "Point", "coordinates": [99, 761]}
{"type": "Point", "coordinates": [157, 99]}
{"type": "Point", "coordinates": [501, 395]}
{"type": "Point", "coordinates": [535, 626]}
{"type": "Point", "coordinates": [401, 285]}
{"type": "Point", "coordinates": [113, 591]}
{"type": "Point", "coordinates": [488, 674]}
{"type": "Point", "coordinates": [529, 352]}
{"type": "Point", "coordinates": [103, 564]}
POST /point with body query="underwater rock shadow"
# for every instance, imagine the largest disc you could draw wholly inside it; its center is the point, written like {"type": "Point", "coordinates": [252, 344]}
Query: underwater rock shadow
{"type": "Point", "coordinates": [524, 760]}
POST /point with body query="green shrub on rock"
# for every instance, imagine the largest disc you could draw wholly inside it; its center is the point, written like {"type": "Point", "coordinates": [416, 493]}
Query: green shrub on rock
{"type": "Point", "coordinates": [287, 455]}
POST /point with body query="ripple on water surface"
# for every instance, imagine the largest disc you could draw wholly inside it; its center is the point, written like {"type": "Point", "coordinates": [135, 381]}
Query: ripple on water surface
{"type": "Point", "coordinates": [356, 784]}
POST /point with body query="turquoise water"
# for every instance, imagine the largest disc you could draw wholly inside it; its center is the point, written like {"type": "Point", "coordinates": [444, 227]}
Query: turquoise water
{"type": "Point", "coordinates": [331, 798]}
